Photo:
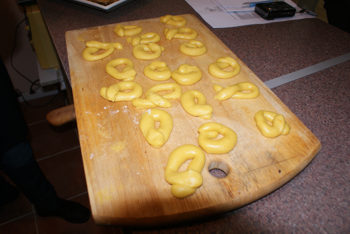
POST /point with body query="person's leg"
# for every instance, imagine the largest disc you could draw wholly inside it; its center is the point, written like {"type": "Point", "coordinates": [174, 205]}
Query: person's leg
{"type": "Point", "coordinates": [8, 192]}
{"type": "Point", "coordinates": [17, 161]}
{"type": "Point", "coordinates": [20, 166]}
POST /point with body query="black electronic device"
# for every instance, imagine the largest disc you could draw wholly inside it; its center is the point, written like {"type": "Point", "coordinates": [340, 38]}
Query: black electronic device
{"type": "Point", "coordinates": [274, 10]}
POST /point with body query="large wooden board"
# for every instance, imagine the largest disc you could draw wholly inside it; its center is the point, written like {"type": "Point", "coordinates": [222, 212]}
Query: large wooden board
{"type": "Point", "coordinates": [125, 175]}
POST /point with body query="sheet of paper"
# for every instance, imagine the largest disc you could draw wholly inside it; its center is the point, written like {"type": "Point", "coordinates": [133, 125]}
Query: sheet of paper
{"type": "Point", "coordinates": [233, 13]}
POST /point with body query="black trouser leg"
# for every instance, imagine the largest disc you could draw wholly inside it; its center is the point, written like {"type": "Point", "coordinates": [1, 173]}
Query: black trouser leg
{"type": "Point", "coordinates": [20, 166]}
{"type": "Point", "coordinates": [8, 192]}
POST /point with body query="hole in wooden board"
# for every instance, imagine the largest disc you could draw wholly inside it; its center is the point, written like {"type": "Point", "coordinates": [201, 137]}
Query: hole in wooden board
{"type": "Point", "coordinates": [218, 169]}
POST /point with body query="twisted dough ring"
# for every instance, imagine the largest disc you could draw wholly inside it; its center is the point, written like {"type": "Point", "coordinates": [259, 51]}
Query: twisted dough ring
{"type": "Point", "coordinates": [174, 20]}
{"type": "Point", "coordinates": [156, 137]}
{"type": "Point", "coordinates": [186, 74]}
{"type": "Point", "coordinates": [208, 140]}
{"type": "Point", "coordinates": [242, 90]}
{"type": "Point", "coordinates": [180, 33]}
{"type": "Point", "coordinates": [146, 38]}
{"type": "Point", "coordinates": [173, 89]}
{"type": "Point", "coordinates": [224, 68]}
{"type": "Point", "coordinates": [127, 73]}
{"type": "Point", "coordinates": [153, 99]}
{"type": "Point", "coordinates": [147, 51]}
{"type": "Point", "coordinates": [90, 53]}
{"type": "Point", "coordinates": [194, 103]}
{"type": "Point", "coordinates": [122, 91]}
{"type": "Point", "coordinates": [185, 183]}
{"type": "Point", "coordinates": [157, 70]}
{"type": "Point", "coordinates": [271, 124]}
{"type": "Point", "coordinates": [127, 30]}
{"type": "Point", "coordinates": [193, 48]}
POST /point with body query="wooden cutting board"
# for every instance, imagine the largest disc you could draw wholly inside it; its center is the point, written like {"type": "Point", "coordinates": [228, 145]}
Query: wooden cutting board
{"type": "Point", "coordinates": [125, 175]}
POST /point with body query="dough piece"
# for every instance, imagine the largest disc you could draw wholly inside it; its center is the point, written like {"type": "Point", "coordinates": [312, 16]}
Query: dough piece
{"type": "Point", "coordinates": [122, 91]}
{"type": "Point", "coordinates": [242, 90]}
{"type": "Point", "coordinates": [187, 74]}
{"type": "Point", "coordinates": [271, 124]}
{"type": "Point", "coordinates": [128, 72]}
{"type": "Point", "coordinates": [224, 68]}
{"type": "Point", "coordinates": [174, 20]}
{"type": "Point", "coordinates": [209, 141]}
{"type": "Point", "coordinates": [156, 136]}
{"type": "Point", "coordinates": [186, 182]}
{"type": "Point", "coordinates": [194, 103]}
{"type": "Point", "coordinates": [193, 48]}
{"type": "Point", "coordinates": [158, 71]}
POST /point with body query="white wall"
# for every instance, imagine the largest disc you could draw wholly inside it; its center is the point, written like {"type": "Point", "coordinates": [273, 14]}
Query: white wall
{"type": "Point", "coordinates": [24, 58]}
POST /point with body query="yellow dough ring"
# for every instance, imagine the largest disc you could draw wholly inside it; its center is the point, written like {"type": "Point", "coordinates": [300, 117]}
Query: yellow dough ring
{"type": "Point", "coordinates": [194, 103]}
{"type": "Point", "coordinates": [156, 136]}
{"type": "Point", "coordinates": [157, 70]}
{"type": "Point", "coordinates": [93, 49]}
{"type": "Point", "coordinates": [146, 38]}
{"type": "Point", "coordinates": [271, 124]}
{"type": "Point", "coordinates": [224, 68]}
{"type": "Point", "coordinates": [174, 20]}
{"type": "Point", "coordinates": [122, 91]}
{"type": "Point", "coordinates": [193, 48]}
{"type": "Point", "coordinates": [209, 141]}
{"type": "Point", "coordinates": [147, 51]}
{"type": "Point", "coordinates": [153, 99]}
{"type": "Point", "coordinates": [127, 73]}
{"type": "Point", "coordinates": [180, 33]}
{"type": "Point", "coordinates": [127, 30]}
{"type": "Point", "coordinates": [186, 182]}
{"type": "Point", "coordinates": [187, 74]}
{"type": "Point", "coordinates": [242, 90]}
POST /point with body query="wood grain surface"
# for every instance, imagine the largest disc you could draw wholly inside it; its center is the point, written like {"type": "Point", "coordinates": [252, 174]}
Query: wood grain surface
{"type": "Point", "coordinates": [125, 175]}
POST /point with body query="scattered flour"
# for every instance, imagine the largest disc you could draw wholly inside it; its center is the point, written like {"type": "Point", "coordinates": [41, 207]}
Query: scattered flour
{"type": "Point", "coordinates": [113, 112]}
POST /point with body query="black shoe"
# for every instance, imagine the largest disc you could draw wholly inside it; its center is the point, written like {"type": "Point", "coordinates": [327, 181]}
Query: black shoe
{"type": "Point", "coordinates": [70, 211]}
{"type": "Point", "coordinates": [8, 193]}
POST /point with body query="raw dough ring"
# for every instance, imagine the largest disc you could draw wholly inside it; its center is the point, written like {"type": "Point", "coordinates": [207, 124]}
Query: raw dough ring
{"type": "Point", "coordinates": [146, 38]}
{"type": "Point", "coordinates": [153, 99]}
{"type": "Point", "coordinates": [224, 67]}
{"type": "Point", "coordinates": [127, 30]}
{"type": "Point", "coordinates": [156, 137]}
{"type": "Point", "coordinates": [208, 140]}
{"type": "Point", "coordinates": [242, 90]}
{"type": "Point", "coordinates": [127, 73]}
{"type": "Point", "coordinates": [180, 33]}
{"type": "Point", "coordinates": [193, 48]}
{"type": "Point", "coordinates": [186, 74]}
{"type": "Point", "coordinates": [174, 20]}
{"type": "Point", "coordinates": [186, 182]}
{"type": "Point", "coordinates": [157, 70]}
{"type": "Point", "coordinates": [271, 124]}
{"type": "Point", "coordinates": [92, 47]}
{"type": "Point", "coordinates": [147, 51]}
{"type": "Point", "coordinates": [175, 90]}
{"type": "Point", "coordinates": [194, 103]}
{"type": "Point", "coordinates": [122, 91]}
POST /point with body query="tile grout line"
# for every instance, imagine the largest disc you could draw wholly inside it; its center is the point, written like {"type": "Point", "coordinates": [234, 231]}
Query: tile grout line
{"type": "Point", "coordinates": [77, 195]}
{"type": "Point", "coordinates": [36, 122]}
{"type": "Point", "coordinates": [17, 218]}
{"type": "Point", "coordinates": [58, 153]}
{"type": "Point", "coordinates": [281, 80]}
{"type": "Point", "coordinates": [35, 220]}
